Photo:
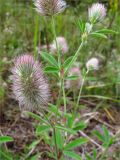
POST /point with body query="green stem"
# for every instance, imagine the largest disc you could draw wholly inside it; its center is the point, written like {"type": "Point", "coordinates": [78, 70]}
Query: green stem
{"type": "Point", "coordinates": [62, 88]}
{"type": "Point", "coordinates": [59, 60]}
{"type": "Point", "coordinates": [64, 97]}
{"type": "Point", "coordinates": [36, 35]}
{"type": "Point", "coordinates": [59, 64]}
{"type": "Point", "coordinates": [74, 57]}
{"type": "Point", "coordinates": [80, 91]}
{"type": "Point", "coordinates": [58, 51]}
{"type": "Point", "coordinates": [54, 134]}
{"type": "Point", "coordinates": [56, 149]}
{"type": "Point", "coordinates": [71, 63]}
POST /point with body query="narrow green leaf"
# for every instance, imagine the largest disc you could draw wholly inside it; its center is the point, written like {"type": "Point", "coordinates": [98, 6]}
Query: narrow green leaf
{"type": "Point", "coordinates": [98, 135]}
{"type": "Point", "coordinates": [59, 139]}
{"type": "Point", "coordinates": [106, 133]}
{"type": "Point", "coordinates": [76, 143]}
{"type": "Point", "coordinates": [107, 31]}
{"type": "Point", "coordinates": [49, 58]}
{"type": "Point", "coordinates": [67, 62]}
{"type": "Point", "coordinates": [65, 129]}
{"type": "Point", "coordinates": [72, 155]}
{"type": "Point", "coordinates": [33, 144]}
{"type": "Point", "coordinates": [94, 153]}
{"type": "Point", "coordinates": [54, 109]}
{"type": "Point", "coordinates": [99, 35]}
{"type": "Point", "coordinates": [5, 156]}
{"type": "Point", "coordinates": [80, 126]}
{"type": "Point", "coordinates": [70, 121]}
{"type": "Point", "coordinates": [37, 117]}
{"type": "Point", "coordinates": [51, 69]}
{"type": "Point", "coordinates": [72, 78]}
{"type": "Point", "coordinates": [88, 157]}
{"type": "Point", "coordinates": [101, 97]}
{"type": "Point", "coordinates": [4, 139]}
{"type": "Point", "coordinates": [81, 25]}
{"type": "Point", "coordinates": [107, 138]}
{"type": "Point", "coordinates": [42, 128]}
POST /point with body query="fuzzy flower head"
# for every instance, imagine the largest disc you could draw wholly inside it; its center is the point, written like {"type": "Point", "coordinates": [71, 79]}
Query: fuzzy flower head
{"type": "Point", "coordinates": [93, 63]}
{"type": "Point", "coordinates": [62, 44]}
{"type": "Point", "coordinates": [29, 86]}
{"type": "Point", "coordinates": [97, 12]}
{"type": "Point", "coordinates": [50, 7]}
{"type": "Point", "coordinates": [77, 82]}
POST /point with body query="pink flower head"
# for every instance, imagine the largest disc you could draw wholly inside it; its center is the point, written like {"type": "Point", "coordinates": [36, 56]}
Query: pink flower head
{"type": "Point", "coordinates": [74, 84]}
{"type": "Point", "coordinates": [97, 12]}
{"type": "Point", "coordinates": [50, 7]}
{"type": "Point", "coordinates": [30, 88]}
{"type": "Point", "coordinates": [62, 44]}
{"type": "Point", "coordinates": [92, 63]}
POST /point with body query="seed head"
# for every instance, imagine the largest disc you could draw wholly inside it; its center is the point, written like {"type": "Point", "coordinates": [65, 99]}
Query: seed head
{"type": "Point", "coordinates": [30, 88]}
{"type": "Point", "coordinates": [50, 7]}
{"type": "Point", "coordinates": [93, 63]}
{"type": "Point", "coordinates": [97, 12]}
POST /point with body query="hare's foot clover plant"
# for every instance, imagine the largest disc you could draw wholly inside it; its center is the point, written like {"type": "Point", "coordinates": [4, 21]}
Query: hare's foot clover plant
{"type": "Point", "coordinates": [31, 89]}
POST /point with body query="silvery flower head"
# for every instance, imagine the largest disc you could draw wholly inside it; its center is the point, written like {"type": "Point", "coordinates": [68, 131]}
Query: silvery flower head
{"type": "Point", "coordinates": [62, 44]}
{"type": "Point", "coordinates": [30, 87]}
{"type": "Point", "coordinates": [97, 12]}
{"type": "Point", "coordinates": [50, 7]}
{"type": "Point", "coordinates": [76, 83]}
{"type": "Point", "coordinates": [93, 63]}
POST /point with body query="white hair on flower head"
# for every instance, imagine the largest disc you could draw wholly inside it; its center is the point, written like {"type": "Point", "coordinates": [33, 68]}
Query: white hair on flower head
{"type": "Point", "coordinates": [29, 86]}
{"type": "Point", "coordinates": [97, 12]}
{"type": "Point", "coordinates": [92, 63]}
{"type": "Point", "coordinates": [50, 7]}
{"type": "Point", "coordinates": [62, 44]}
{"type": "Point", "coordinates": [75, 83]}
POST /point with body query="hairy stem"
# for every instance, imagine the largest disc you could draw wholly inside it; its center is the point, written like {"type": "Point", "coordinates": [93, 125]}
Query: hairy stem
{"type": "Point", "coordinates": [80, 91]}
{"type": "Point", "coordinates": [56, 149]}
{"type": "Point", "coordinates": [64, 97]}
{"type": "Point", "coordinates": [36, 36]}
{"type": "Point", "coordinates": [58, 51]}
{"type": "Point", "coordinates": [62, 88]}
{"type": "Point", "coordinates": [74, 57]}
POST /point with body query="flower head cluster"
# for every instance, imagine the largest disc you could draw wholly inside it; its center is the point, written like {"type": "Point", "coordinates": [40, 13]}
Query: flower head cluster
{"type": "Point", "coordinates": [62, 44]}
{"type": "Point", "coordinates": [93, 63]}
{"type": "Point", "coordinates": [30, 88]}
{"type": "Point", "coordinates": [50, 7]}
{"type": "Point", "coordinates": [76, 83]}
{"type": "Point", "coordinates": [97, 12]}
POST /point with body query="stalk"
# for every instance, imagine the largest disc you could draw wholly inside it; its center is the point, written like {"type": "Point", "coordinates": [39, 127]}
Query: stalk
{"type": "Point", "coordinates": [36, 36]}
{"type": "Point", "coordinates": [62, 88]}
{"type": "Point", "coordinates": [58, 51]}
{"type": "Point", "coordinates": [80, 91]}
{"type": "Point", "coordinates": [74, 57]}
{"type": "Point", "coordinates": [56, 149]}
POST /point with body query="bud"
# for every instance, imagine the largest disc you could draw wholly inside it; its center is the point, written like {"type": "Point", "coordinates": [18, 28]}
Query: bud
{"type": "Point", "coordinates": [97, 12]}
{"type": "Point", "coordinates": [50, 7]}
{"type": "Point", "coordinates": [30, 87]}
{"type": "Point", "coordinates": [93, 63]}
{"type": "Point", "coordinates": [74, 84]}
{"type": "Point", "coordinates": [62, 44]}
